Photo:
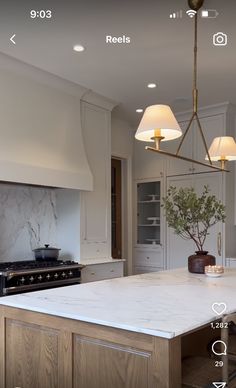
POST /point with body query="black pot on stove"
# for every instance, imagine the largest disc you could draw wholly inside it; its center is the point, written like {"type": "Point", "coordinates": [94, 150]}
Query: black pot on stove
{"type": "Point", "coordinates": [46, 253]}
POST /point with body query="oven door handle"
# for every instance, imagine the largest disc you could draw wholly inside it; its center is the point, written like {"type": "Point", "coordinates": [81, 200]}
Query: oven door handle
{"type": "Point", "coordinates": [11, 274]}
{"type": "Point", "coordinates": [40, 286]}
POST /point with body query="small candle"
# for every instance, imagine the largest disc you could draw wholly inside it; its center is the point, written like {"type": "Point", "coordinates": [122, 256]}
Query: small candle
{"type": "Point", "coordinates": [214, 269]}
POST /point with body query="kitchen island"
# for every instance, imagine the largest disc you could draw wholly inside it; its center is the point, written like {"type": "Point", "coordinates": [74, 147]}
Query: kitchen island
{"type": "Point", "coordinates": [123, 332]}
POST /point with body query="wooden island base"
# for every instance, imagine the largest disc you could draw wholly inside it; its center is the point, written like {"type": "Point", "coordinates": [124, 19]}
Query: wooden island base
{"type": "Point", "coordinates": [42, 351]}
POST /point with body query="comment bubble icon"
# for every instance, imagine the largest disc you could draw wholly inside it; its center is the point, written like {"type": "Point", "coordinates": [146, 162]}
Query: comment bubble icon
{"type": "Point", "coordinates": [223, 348]}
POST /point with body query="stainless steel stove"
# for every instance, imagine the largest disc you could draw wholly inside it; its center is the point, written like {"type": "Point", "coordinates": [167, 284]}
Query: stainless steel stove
{"type": "Point", "coordinates": [22, 276]}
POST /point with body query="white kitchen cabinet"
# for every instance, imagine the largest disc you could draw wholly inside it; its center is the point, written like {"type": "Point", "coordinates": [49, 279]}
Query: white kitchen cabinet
{"type": "Point", "coordinates": [148, 257]}
{"type": "Point", "coordinates": [96, 205]}
{"type": "Point", "coordinates": [141, 270]}
{"type": "Point", "coordinates": [95, 272]}
{"type": "Point", "coordinates": [148, 260]}
{"type": "Point", "coordinates": [148, 249]}
{"type": "Point", "coordinates": [177, 166]}
{"type": "Point", "coordinates": [147, 164]}
{"type": "Point", "coordinates": [215, 121]}
{"type": "Point", "coordinates": [178, 249]}
{"type": "Point", "coordinates": [231, 262]}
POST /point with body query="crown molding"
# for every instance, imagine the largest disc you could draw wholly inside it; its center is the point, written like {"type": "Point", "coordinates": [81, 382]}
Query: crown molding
{"type": "Point", "coordinates": [99, 100]}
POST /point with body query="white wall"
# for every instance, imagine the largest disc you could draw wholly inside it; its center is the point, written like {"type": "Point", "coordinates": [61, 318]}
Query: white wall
{"type": "Point", "coordinates": [122, 141]}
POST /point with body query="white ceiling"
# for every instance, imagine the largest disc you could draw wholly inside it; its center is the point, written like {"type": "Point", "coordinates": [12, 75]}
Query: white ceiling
{"type": "Point", "coordinates": [160, 49]}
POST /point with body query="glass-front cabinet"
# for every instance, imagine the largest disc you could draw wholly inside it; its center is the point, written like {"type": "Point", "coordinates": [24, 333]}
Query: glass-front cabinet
{"type": "Point", "coordinates": [148, 252]}
{"type": "Point", "coordinates": [149, 213]}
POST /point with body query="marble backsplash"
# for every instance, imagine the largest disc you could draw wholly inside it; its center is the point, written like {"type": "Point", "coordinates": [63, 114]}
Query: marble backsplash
{"type": "Point", "coordinates": [28, 219]}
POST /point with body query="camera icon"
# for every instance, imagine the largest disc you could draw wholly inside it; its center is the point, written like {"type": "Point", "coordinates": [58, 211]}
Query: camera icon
{"type": "Point", "coordinates": [220, 39]}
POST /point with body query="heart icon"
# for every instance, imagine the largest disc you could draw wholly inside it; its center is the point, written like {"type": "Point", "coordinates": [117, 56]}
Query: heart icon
{"type": "Point", "coordinates": [219, 308]}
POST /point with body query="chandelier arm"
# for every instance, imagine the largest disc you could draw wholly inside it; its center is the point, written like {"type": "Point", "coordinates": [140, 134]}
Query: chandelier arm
{"type": "Point", "coordinates": [185, 133]}
{"type": "Point", "coordinates": [203, 138]}
{"type": "Point", "coordinates": [165, 153]}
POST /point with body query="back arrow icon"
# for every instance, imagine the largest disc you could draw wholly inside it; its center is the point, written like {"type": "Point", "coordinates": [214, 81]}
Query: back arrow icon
{"type": "Point", "coordinates": [12, 39]}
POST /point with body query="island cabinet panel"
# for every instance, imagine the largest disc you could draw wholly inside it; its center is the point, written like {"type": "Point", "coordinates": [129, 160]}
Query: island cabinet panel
{"type": "Point", "coordinates": [32, 356]}
{"type": "Point", "coordinates": [99, 364]}
{"type": "Point", "coordinates": [44, 351]}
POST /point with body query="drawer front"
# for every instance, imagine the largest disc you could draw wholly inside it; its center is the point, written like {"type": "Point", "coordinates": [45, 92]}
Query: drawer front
{"type": "Point", "coordinates": [148, 258]}
{"type": "Point", "coordinates": [140, 270]}
{"type": "Point", "coordinates": [92, 273]}
{"type": "Point", "coordinates": [231, 263]}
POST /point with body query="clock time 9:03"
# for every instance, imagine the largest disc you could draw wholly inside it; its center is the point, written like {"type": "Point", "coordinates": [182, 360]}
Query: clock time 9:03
{"type": "Point", "coordinates": [41, 14]}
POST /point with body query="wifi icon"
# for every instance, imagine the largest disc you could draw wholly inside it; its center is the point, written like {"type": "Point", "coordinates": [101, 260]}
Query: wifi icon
{"type": "Point", "coordinates": [191, 13]}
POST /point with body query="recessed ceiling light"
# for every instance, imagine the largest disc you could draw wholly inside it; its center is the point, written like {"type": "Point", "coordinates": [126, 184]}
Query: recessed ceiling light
{"type": "Point", "coordinates": [139, 110]}
{"type": "Point", "coordinates": [78, 48]}
{"type": "Point", "coordinates": [152, 86]}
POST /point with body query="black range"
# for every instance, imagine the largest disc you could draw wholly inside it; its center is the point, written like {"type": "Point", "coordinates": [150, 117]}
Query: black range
{"type": "Point", "coordinates": [30, 275]}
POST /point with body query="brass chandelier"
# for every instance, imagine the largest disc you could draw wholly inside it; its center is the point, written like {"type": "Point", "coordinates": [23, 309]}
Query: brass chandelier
{"type": "Point", "coordinates": [159, 123]}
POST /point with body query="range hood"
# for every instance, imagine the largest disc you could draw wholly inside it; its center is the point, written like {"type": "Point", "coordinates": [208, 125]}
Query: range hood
{"type": "Point", "coordinates": [41, 139]}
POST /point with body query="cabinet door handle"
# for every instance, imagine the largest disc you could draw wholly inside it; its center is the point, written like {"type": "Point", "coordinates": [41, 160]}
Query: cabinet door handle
{"type": "Point", "coordinates": [112, 270]}
{"type": "Point", "coordinates": [92, 273]}
{"type": "Point", "coordinates": [148, 257]}
{"type": "Point", "coordinates": [219, 243]}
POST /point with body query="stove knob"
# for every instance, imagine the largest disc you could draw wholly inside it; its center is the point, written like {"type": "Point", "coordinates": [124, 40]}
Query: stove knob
{"type": "Point", "coordinates": [56, 276]}
{"type": "Point", "coordinates": [48, 276]}
{"type": "Point", "coordinates": [31, 278]}
{"type": "Point", "coordinates": [63, 274]}
{"type": "Point", "coordinates": [22, 280]}
{"type": "Point", "coordinates": [70, 273]}
{"type": "Point", "coordinates": [40, 278]}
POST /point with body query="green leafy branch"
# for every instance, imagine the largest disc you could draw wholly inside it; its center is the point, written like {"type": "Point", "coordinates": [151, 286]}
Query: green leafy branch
{"type": "Point", "coordinates": [191, 216]}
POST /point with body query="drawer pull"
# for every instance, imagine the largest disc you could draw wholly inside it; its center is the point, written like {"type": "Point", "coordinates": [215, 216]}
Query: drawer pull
{"type": "Point", "coordinates": [112, 270]}
{"type": "Point", "coordinates": [148, 257]}
{"type": "Point", "coordinates": [92, 273]}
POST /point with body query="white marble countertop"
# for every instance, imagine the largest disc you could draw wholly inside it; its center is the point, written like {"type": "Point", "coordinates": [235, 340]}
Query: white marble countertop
{"type": "Point", "coordinates": [103, 260]}
{"type": "Point", "coordinates": [165, 304]}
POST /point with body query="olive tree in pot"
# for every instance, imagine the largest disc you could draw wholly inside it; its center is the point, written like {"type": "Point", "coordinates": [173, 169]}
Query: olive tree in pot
{"type": "Point", "coordinates": [191, 216]}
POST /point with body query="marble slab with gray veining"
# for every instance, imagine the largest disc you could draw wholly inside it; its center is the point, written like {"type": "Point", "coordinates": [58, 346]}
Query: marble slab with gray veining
{"type": "Point", "coordinates": [165, 304]}
{"type": "Point", "coordinates": [28, 219]}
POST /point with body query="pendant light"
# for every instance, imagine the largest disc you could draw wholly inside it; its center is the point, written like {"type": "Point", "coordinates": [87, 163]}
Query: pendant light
{"type": "Point", "coordinates": [222, 149]}
{"type": "Point", "coordinates": [159, 123]}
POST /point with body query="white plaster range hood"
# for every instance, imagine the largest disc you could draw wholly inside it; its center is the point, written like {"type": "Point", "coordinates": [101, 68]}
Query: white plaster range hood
{"type": "Point", "coordinates": [41, 139]}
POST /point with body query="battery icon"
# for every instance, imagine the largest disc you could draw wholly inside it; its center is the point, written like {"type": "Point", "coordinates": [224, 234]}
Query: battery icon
{"type": "Point", "coordinates": [209, 13]}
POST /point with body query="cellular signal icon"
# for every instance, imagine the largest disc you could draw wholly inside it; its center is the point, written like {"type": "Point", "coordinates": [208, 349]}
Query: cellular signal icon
{"type": "Point", "coordinates": [191, 13]}
{"type": "Point", "coordinates": [176, 15]}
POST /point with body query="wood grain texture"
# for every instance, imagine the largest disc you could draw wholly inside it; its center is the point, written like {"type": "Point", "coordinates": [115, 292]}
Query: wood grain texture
{"type": "Point", "coordinates": [31, 356]}
{"type": "Point", "coordinates": [65, 360]}
{"type": "Point", "coordinates": [45, 351]}
{"type": "Point", "coordinates": [99, 364]}
{"type": "Point", "coordinates": [2, 346]}
{"type": "Point", "coordinates": [165, 368]}
{"type": "Point", "coordinates": [118, 336]}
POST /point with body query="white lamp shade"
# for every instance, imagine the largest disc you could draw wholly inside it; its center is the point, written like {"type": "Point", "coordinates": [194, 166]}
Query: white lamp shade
{"type": "Point", "coordinates": [158, 118]}
{"type": "Point", "coordinates": [222, 148]}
